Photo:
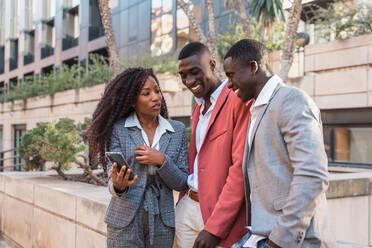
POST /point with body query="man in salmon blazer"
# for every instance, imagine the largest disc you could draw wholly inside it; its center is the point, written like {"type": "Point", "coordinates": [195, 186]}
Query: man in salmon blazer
{"type": "Point", "coordinates": [211, 213]}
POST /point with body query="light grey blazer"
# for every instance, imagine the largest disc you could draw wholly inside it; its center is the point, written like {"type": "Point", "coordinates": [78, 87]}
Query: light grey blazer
{"type": "Point", "coordinates": [171, 175]}
{"type": "Point", "coordinates": [285, 166]}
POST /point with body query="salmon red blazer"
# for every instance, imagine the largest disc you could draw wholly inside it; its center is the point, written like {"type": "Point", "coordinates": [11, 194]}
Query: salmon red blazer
{"type": "Point", "coordinates": [220, 176]}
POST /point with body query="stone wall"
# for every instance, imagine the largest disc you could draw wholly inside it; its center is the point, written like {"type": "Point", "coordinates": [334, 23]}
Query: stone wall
{"type": "Point", "coordinates": [41, 210]}
{"type": "Point", "coordinates": [337, 74]}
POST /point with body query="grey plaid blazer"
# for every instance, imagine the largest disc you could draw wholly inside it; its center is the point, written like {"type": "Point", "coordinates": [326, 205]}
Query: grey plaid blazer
{"type": "Point", "coordinates": [172, 175]}
{"type": "Point", "coordinates": [285, 172]}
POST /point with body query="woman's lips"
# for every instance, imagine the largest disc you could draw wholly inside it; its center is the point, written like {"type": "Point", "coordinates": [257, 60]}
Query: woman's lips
{"type": "Point", "coordinates": [156, 106]}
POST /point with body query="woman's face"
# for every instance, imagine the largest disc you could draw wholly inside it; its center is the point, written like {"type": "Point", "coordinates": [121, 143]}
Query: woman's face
{"type": "Point", "coordinates": [149, 99]}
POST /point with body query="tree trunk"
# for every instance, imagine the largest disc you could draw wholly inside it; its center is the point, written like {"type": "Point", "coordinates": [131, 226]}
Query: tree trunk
{"type": "Point", "coordinates": [85, 165]}
{"type": "Point", "coordinates": [243, 19]}
{"type": "Point", "coordinates": [290, 39]}
{"type": "Point", "coordinates": [194, 23]}
{"type": "Point", "coordinates": [212, 37]}
{"type": "Point", "coordinates": [211, 41]}
{"type": "Point", "coordinates": [105, 12]}
{"type": "Point", "coordinates": [59, 171]}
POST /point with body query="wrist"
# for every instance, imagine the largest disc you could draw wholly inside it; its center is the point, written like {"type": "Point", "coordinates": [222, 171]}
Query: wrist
{"type": "Point", "coordinates": [119, 190]}
{"type": "Point", "coordinates": [161, 160]}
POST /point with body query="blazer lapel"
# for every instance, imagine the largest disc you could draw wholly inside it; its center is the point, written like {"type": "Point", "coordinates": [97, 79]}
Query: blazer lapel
{"type": "Point", "coordinates": [217, 108]}
{"type": "Point", "coordinates": [164, 141]}
{"type": "Point", "coordinates": [260, 116]}
{"type": "Point", "coordinates": [136, 136]}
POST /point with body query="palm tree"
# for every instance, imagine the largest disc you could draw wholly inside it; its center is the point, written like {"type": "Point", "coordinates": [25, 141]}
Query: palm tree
{"type": "Point", "coordinates": [211, 40]}
{"type": "Point", "coordinates": [268, 12]}
{"type": "Point", "coordinates": [290, 41]}
{"type": "Point", "coordinates": [105, 12]}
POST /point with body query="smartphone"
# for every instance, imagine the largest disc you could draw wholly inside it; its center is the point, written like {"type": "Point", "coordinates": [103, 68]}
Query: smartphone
{"type": "Point", "coordinates": [118, 158]}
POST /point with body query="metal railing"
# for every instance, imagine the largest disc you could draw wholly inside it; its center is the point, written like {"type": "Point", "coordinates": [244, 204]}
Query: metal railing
{"type": "Point", "coordinates": [16, 157]}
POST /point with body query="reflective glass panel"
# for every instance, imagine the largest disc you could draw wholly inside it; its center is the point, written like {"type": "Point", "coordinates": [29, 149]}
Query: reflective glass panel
{"type": "Point", "coordinates": [182, 20]}
{"type": "Point", "coordinates": [167, 43]}
{"type": "Point", "coordinates": [166, 23]}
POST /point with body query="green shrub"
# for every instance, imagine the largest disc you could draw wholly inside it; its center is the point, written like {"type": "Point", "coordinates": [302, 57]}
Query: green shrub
{"type": "Point", "coordinates": [56, 142]}
{"type": "Point", "coordinates": [342, 20]}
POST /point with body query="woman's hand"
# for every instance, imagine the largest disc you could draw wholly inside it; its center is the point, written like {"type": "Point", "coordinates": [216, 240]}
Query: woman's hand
{"type": "Point", "coordinates": [148, 155]}
{"type": "Point", "coordinates": [119, 180]}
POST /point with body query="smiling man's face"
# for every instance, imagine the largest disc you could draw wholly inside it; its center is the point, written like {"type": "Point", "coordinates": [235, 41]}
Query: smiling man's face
{"type": "Point", "coordinates": [241, 79]}
{"type": "Point", "coordinates": [197, 73]}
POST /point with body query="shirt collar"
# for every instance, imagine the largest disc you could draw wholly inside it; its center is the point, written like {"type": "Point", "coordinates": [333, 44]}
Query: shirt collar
{"type": "Point", "coordinates": [132, 121]}
{"type": "Point", "coordinates": [267, 91]}
{"type": "Point", "coordinates": [216, 93]}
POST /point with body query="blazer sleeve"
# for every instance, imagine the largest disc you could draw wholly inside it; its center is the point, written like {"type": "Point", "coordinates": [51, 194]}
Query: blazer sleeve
{"type": "Point", "coordinates": [232, 195]}
{"type": "Point", "coordinates": [114, 147]}
{"type": "Point", "coordinates": [301, 128]}
{"type": "Point", "coordinates": [174, 173]}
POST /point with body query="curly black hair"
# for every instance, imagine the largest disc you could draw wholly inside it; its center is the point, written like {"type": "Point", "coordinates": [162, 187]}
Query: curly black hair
{"type": "Point", "coordinates": [116, 103]}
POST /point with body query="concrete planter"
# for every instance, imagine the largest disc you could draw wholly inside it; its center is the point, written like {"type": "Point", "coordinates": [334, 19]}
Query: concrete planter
{"type": "Point", "coordinates": [38, 209]}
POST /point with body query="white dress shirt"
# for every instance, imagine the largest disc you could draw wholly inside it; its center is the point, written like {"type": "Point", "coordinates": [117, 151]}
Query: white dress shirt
{"type": "Point", "coordinates": [201, 129]}
{"type": "Point", "coordinates": [258, 106]}
{"type": "Point", "coordinates": [164, 125]}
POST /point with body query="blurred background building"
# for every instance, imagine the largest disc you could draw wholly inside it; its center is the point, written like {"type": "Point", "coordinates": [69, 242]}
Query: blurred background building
{"type": "Point", "coordinates": [39, 36]}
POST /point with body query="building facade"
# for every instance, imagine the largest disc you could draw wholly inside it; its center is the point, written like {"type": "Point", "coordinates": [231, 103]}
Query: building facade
{"type": "Point", "coordinates": [38, 36]}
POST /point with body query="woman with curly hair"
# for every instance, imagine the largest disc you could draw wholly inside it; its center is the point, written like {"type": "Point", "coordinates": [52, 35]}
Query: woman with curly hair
{"type": "Point", "coordinates": [131, 119]}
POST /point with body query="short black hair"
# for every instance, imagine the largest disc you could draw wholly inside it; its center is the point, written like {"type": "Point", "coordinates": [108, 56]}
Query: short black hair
{"type": "Point", "coordinates": [246, 51]}
{"type": "Point", "coordinates": [191, 49]}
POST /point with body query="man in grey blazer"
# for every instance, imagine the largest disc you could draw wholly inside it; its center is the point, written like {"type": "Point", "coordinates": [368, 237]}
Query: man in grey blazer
{"type": "Point", "coordinates": [284, 164]}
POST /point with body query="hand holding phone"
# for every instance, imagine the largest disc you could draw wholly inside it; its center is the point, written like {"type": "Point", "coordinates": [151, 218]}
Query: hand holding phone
{"type": "Point", "coordinates": [118, 158]}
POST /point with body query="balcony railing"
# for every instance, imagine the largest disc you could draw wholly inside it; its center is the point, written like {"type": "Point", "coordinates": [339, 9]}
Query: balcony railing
{"type": "Point", "coordinates": [69, 42]}
{"type": "Point", "coordinates": [18, 163]}
{"type": "Point", "coordinates": [13, 63]}
{"type": "Point", "coordinates": [28, 58]}
{"type": "Point", "coordinates": [47, 51]}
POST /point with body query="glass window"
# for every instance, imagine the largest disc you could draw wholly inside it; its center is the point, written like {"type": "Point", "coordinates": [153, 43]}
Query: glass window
{"type": "Point", "coordinates": [161, 27]}
{"type": "Point", "coordinates": [18, 132]}
{"type": "Point", "coordinates": [182, 20]}
{"type": "Point", "coordinates": [49, 9]}
{"type": "Point", "coordinates": [348, 144]}
{"type": "Point", "coordinates": [2, 59]}
{"type": "Point", "coordinates": [2, 22]}
{"type": "Point", "coordinates": [133, 23]}
{"type": "Point", "coordinates": [28, 18]}
{"type": "Point", "coordinates": [166, 23]}
{"type": "Point", "coordinates": [12, 31]}
{"type": "Point", "coordinates": [72, 3]}
{"type": "Point", "coordinates": [114, 4]}
{"type": "Point", "coordinates": [185, 33]}
{"type": "Point", "coordinates": [167, 5]}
